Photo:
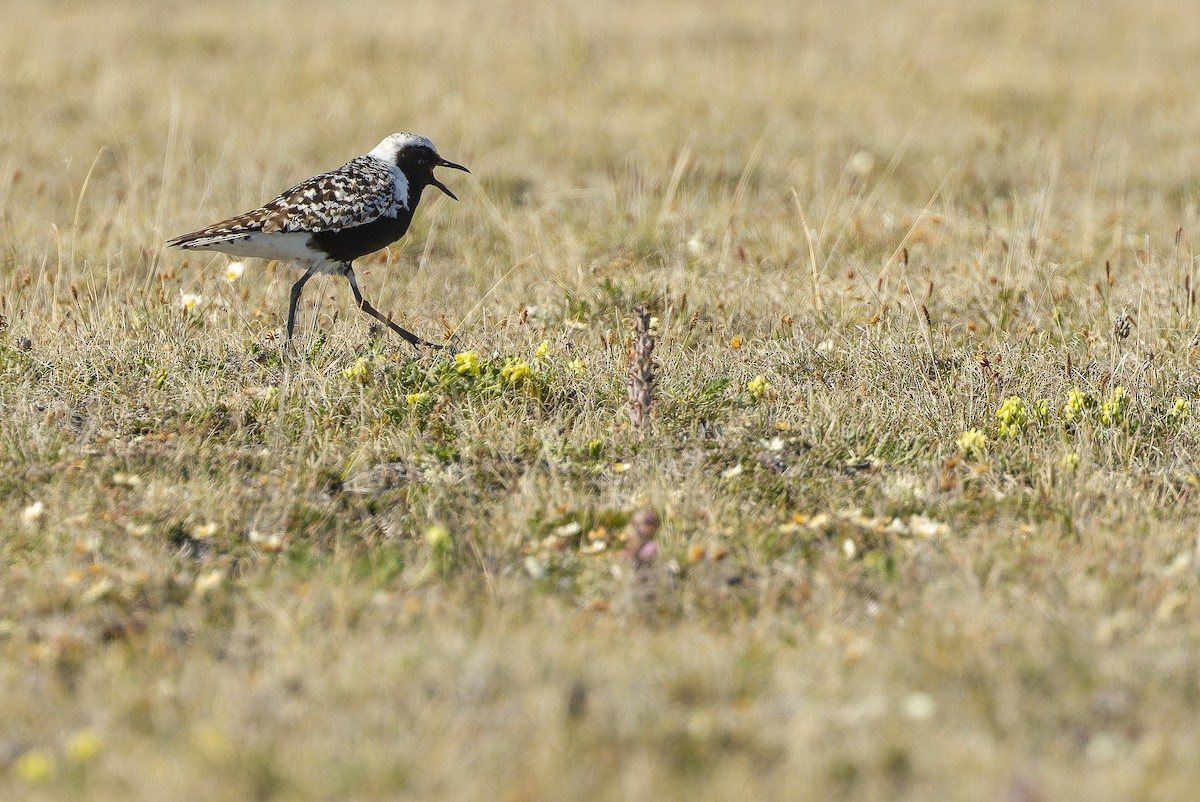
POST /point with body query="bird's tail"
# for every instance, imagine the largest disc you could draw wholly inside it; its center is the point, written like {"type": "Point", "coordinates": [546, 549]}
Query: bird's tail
{"type": "Point", "coordinates": [205, 239]}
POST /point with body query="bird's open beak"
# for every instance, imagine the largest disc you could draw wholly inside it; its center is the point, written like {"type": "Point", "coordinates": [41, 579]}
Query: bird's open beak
{"type": "Point", "coordinates": [439, 184]}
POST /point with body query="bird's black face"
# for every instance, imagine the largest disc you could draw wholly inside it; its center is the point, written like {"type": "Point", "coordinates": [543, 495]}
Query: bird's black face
{"type": "Point", "coordinates": [418, 163]}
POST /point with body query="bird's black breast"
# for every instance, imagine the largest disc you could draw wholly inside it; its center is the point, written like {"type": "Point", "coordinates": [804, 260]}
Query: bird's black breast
{"type": "Point", "coordinates": [350, 243]}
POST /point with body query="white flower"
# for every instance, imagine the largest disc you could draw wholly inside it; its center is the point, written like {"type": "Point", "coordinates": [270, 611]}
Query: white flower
{"type": "Point", "coordinates": [861, 164]}
{"type": "Point", "coordinates": [926, 527]}
{"type": "Point", "coordinates": [234, 271]}
{"type": "Point", "coordinates": [268, 543]}
{"type": "Point", "coordinates": [190, 299]}
{"type": "Point", "coordinates": [34, 513]}
{"type": "Point", "coordinates": [209, 581]}
{"type": "Point", "coordinates": [918, 706]}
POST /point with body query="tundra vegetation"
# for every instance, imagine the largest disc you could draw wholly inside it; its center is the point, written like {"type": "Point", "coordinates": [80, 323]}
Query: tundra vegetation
{"type": "Point", "coordinates": [890, 494]}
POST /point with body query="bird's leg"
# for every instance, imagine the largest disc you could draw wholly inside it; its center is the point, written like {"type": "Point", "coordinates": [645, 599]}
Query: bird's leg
{"type": "Point", "coordinates": [296, 289]}
{"type": "Point", "coordinates": [365, 306]}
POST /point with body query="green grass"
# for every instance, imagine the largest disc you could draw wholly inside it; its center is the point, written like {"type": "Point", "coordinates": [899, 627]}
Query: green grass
{"type": "Point", "coordinates": [362, 572]}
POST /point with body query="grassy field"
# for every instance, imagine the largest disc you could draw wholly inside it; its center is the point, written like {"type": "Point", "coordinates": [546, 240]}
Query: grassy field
{"type": "Point", "coordinates": [915, 515]}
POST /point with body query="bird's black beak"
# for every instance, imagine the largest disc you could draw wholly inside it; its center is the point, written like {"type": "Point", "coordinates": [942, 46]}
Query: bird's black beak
{"type": "Point", "coordinates": [439, 184]}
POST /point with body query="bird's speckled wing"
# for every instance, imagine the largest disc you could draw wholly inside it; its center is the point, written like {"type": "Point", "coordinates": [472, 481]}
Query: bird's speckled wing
{"type": "Point", "coordinates": [359, 192]}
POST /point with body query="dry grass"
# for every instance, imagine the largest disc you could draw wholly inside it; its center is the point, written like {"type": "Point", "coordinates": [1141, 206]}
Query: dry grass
{"type": "Point", "coordinates": [369, 574]}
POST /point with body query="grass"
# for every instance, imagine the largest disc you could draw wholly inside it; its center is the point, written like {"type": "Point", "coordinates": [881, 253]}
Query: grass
{"type": "Point", "coordinates": [920, 462]}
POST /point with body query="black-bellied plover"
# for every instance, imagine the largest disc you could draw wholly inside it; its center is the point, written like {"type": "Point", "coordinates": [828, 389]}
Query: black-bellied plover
{"type": "Point", "coordinates": [325, 223]}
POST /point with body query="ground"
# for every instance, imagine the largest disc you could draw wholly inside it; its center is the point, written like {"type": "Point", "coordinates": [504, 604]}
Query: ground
{"type": "Point", "coordinates": [914, 514]}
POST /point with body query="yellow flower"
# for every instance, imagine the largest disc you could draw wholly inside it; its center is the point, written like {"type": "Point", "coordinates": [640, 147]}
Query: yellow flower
{"type": "Point", "coordinates": [1115, 407]}
{"type": "Point", "coordinates": [759, 388]}
{"type": "Point", "coordinates": [1041, 411]}
{"type": "Point", "coordinates": [211, 742]}
{"type": "Point", "coordinates": [1070, 462]}
{"type": "Point", "coordinates": [440, 545]}
{"type": "Point", "coordinates": [1180, 411]}
{"type": "Point", "coordinates": [514, 371]}
{"type": "Point", "coordinates": [543, 349]}
{"type": "Point", "coordinates": [35, 766]}
{"type": "Point", "coordinates": [234, 271]}
{"type": "Point", "coordinates": [83, 746]}
{"type": "Point", "coordinates": [190, 299]}
{"type": "Point", "coordinates": [359, 371]}
{"type": "Point", "coordinates": [1012, 416]}
{"type": "Point", "coordinates": [438, 538]}
{"type": "Point", "coordinates": [1078, 403]}
{"type": "Point", "coordinates": [417, 398]}
{"type": "Point", "coordinates": [576, 367]}
{"type": "Point", "coordinates": [467, 363]}
{"type": "Point", "coordinates": [972, 443]}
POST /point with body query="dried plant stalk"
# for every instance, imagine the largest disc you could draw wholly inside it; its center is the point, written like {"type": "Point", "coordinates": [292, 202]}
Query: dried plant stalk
{"type": "Point", "coordinates": [641, 372]}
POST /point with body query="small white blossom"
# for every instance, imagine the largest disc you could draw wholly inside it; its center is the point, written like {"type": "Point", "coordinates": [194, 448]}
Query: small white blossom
{"type": "Point", "coordinates": [34, 513]}
{"type": "Point", "coordinates": [918, 706]}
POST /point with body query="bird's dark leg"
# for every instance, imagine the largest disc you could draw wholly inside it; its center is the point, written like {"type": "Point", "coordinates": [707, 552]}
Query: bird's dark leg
{"type": "Point", "coordinates": [296, 288]}
{"type": "Point", "coordinates": [365, 306]}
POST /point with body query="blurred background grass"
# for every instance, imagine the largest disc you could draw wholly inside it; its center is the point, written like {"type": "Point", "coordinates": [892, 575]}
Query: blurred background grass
{"type": "Point", "coordinates": [1072, 124]}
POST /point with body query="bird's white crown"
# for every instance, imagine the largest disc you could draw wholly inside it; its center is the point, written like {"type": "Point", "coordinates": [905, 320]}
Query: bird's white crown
{"type": "Point", "coordinates": [392, 145]}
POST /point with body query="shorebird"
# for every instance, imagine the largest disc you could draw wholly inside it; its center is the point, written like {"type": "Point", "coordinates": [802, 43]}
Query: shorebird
{"type": "Point", "coordinates": [325, 223]}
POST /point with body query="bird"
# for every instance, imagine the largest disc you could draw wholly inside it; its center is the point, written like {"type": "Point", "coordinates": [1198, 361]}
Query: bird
{"type": "Point", "coordinates": [325, 223]}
